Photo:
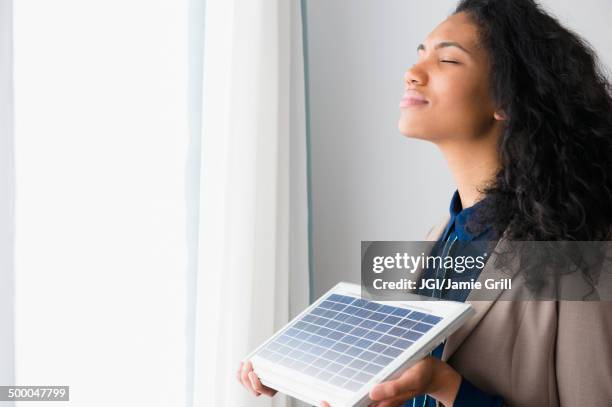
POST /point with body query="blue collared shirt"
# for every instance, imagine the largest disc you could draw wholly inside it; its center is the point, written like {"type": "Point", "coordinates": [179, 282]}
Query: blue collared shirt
{"type": "Point", "coordinates": [454, 237]}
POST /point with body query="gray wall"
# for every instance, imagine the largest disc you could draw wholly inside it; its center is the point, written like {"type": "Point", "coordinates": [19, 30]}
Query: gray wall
{"type": "Point", "coordinates": [369, 182]}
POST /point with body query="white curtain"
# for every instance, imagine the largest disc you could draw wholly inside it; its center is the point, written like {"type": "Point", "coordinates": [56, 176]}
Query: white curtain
{"type": "Point", "coordinates": [7, 191]}
{"type": "Point", "coordinates": [152, 195]}
{"type": "Point", "coordinates": [252, 138]}
{"type": "Point", "coordinates": [101, 141]}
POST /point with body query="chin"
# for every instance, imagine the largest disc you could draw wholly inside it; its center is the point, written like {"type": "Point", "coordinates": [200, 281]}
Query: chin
{"type": "Point", "coordinates": [412, 131]}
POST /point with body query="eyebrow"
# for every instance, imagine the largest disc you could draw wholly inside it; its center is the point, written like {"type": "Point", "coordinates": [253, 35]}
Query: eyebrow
{"type": "Point", "coordinates": [444, 44]}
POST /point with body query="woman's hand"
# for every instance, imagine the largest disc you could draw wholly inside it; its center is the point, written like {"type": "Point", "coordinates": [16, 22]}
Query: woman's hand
{"type": "Point", "coordinates": [429, 376]}
{"type": "Point", "coordinates": [249, 379]}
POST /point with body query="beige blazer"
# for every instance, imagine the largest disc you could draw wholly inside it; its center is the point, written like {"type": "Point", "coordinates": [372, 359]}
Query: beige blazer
{"type": "Point", "coordinates": [535, 353]}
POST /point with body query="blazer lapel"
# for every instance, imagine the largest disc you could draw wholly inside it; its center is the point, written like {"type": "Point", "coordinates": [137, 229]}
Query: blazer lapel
{"type": "Point", "coordinates": [481, 307]}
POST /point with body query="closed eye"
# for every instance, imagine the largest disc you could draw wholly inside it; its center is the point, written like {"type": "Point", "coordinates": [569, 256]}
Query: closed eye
{"type": "Point", "coordinates": [450, 62]}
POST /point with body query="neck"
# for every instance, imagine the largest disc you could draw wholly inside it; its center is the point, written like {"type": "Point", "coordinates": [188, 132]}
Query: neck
{"type": "Point", "coordinates": [473, 165]}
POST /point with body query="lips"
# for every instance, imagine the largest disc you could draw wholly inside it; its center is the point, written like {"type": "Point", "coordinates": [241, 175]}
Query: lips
{"type": "Point", "coordinates": [413, 98]}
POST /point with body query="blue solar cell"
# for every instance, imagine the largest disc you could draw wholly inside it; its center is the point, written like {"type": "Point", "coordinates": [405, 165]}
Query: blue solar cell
{"type": "Point", "coordinates": [400, 312]}
{"type": "Point", "coordinates": [373, 335]}
{"type": "Point", "coordinates": [318, 311]}
{"type": "Point", "coordinates": [411, 335]}
{"type": "Point", "coordinates": [362, 377]}
{"type": "Point", "coordinates": [327, 304]}
{"type": "Point", "coordinates": [407, 323]}
{"type": "Point", "coordinates": [314, 339]}
{"type": "Point", "coordinates": [367, 355]}
{"type": "Point", "coordinates": [354, 351]}
{"type": "Point", "coordinates": [341, 316]}
{"type": "Point", "coordinates": [344, 328]}
{"type": "Point", "coordinates": [387, 339]}
{"type": "Point", "coordinates": [292, 332]}
{"type": "Point", "coordinates": [351, 310]}
{"type": "Point", "coordinates": [377, 316]}
{"type": "Point", "coordinates": [417, 316]}
{"type": "Point", "coordinates": [363, 343]}
{"type": "Point", "coordinates": [332, 324]}
{"type": "Point", "coordinates": [331, 355]}
{"type": "Point", "coordinates": [366, 323]}
{"type": "Point", "coordinates": [345, 299]}
{"type": "Point", "coordinates": [340, 347]}
{"type": "Point", "coordinates": [344, 359]}
{"type": "Point", "coordinates": [308, 318]}
{"type": "Point", "coordinates": [321, 363]}
{"type": "Point", "coordinates": [377, 347]}
{"type": "Point", "coordinates": [387, 309]}
{"type": "Point", "coordinates": [363, 313]}
{"type": "Point", "coordinates": [431, 319]}
{"type": "Point", "coordinates": [303, 335]}
{"type": "Point", "coordinates": [350, 339]}
{"type": "Point", "coordinates": [305, 346]}
{"type": "Point", "coordinates": [392, 352]}
{"type": "Point", "coordinates": [372, 306]}
{"type": "Point", "coordinates": [335, 297]}
{"type": "Point", "coordinates": [327, 343]}
{"type": "Point", "coordinates": [307, 358]}
{"type": "Point", "coordinates": [357, 363]}
{"type": "Point", "coordinates": [359, 331]}
{"type": "Point", "coordinates": [347, 372]}
{"type": "Point", "coordinates": [382, 327]}
{"type": "Point", "coordinates": [317, 350]}
{"type": "Point", "coordinates": [391, 320]}
{"type": "Point", "coordinates": [323, 331]}
{"type": "Point", "coordinates": [382, 360]}
{"type": "Point", "coordinates": [397, 331]}
{"type": "Point", "coordinates": [338, 306]}
{"type": "Point", "coordinates": [372, 368]}
{"type": "Point", "coordinates": [334, 367]}
{"type": "Point", "coordinates": [360, 303]}
{"type": "Point", "coordinates": [354, 320]}
{"type": "Point", "coordinates": [402, 343]}
{"type": "Point", "coordinates": [321, 321]}
{"type": "Point", "coordinates": [330, 314]}
{"type": "Point", "coordinates": [293, 343]}
{"type": "Point", "coordinates": [420, 327]}
{"type": "Point", "coordinates": [335, 335]}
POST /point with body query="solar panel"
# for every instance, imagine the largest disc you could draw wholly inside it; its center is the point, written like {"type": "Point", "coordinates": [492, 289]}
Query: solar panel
{"type": "Point", "coordinates": [348, 343]}
{"type": "Point", "coordinates": [346, 340]}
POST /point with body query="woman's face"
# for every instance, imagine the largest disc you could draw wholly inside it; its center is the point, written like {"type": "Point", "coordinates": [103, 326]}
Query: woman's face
{"type": "Point", "coordinates": [452, 75]}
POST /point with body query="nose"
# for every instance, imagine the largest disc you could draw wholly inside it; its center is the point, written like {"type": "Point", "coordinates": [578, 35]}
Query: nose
{"type": "Point", "coordinates": [415, 76]}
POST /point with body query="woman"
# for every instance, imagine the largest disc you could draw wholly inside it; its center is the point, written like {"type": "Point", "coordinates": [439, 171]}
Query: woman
{"type": "Point", "coordinates": [521, 111]}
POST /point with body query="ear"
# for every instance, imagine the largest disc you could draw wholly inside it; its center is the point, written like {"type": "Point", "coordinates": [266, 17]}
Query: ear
{"type": "Point", "coordinates": [500, 115]}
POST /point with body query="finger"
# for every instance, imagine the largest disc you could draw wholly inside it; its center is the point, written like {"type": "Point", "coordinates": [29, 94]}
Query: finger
{"type": "Point", "coordinates": [386, 390]}
{"type": "Point", "coordinates": [244, 376]}
{"type": "Point", "coordinates": [252, 382]}
{"type": "Point", "coordinates": [324, 404]}
{"type": "Point", "coordinates": [407, 384]}
{"type": "Point", "coordinates": [259, 387]}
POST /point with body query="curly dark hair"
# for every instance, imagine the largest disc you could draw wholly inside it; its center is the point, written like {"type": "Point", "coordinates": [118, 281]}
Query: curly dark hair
{"type": "Point", "coordinates": [555, 181]}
